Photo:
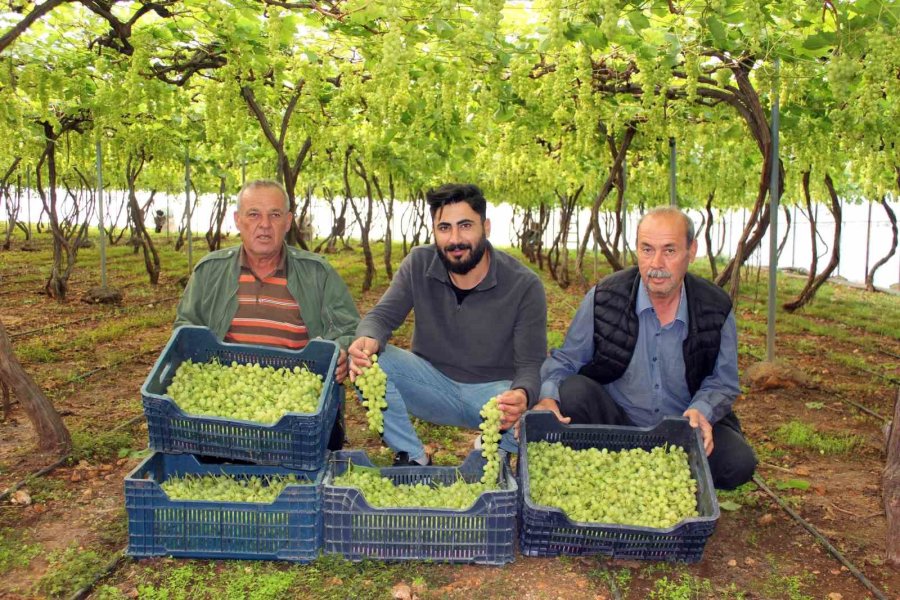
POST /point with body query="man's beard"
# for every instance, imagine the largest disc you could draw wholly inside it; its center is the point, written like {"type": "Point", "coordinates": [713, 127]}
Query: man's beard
{"type": "Point", "coordinates": [464, 266]}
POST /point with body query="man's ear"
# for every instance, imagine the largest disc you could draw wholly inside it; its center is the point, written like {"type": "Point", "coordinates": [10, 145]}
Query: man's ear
{"type": "Point", "coordinates": [693, 250]}
{"type": "Point", "coordinates": [487, 228]}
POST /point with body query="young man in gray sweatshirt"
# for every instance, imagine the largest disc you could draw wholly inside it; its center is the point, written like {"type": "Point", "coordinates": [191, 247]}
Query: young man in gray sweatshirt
{"type": "Point", "coordinates": [480, 329]}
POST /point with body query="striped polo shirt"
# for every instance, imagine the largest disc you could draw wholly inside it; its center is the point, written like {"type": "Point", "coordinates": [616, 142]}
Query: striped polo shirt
{"type": "Point", "coordinates": [267, 314]}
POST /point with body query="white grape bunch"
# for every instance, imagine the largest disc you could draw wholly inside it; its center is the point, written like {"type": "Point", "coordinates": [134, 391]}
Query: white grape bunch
{"type": "Point", "coordinates": [227, 488]}
{"type": "Point", "coordinates": [490, 441]}
{"type": "Point", "coordinates": [630, 487]}
{"type": "Point", "coordinates": [381, 492]}
{"type": "Point", "coordinates": [247, 392]}
{"type": "Point", "coordinates": [372, 384]}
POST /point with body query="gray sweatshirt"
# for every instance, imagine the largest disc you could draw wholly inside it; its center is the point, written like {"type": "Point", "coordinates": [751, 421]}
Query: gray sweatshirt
{"type": "Point", "coordinates": [498, 332]}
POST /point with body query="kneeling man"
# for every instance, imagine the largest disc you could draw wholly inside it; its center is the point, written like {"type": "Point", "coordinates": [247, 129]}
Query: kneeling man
{"type": "Point", "coordinates": [655, 341]}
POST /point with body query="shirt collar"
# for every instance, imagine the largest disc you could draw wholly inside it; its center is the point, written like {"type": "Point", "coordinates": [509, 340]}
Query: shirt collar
{"type": "Point", "coordinates": [282, 263]}
{"type": "Point", "coordinates": [643, 302]}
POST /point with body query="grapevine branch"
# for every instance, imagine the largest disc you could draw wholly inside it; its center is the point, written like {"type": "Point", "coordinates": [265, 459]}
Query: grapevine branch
{"type": "Point", "coordinates": [209, 56]}
{"type": "Point", "coordinates": [22, 26]}
{"type": "Point", "coordinates": [117, 38]}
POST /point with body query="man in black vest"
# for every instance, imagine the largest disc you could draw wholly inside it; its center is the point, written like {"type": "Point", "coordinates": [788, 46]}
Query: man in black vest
{"type": "Point", "coordinates": [655, 341]}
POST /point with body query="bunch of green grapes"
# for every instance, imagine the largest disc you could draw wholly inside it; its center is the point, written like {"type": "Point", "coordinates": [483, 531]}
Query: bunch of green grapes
{"type": "Point", "coordinates": [372, 384]}
{"type": "Point", "coordinates": [629, 487]}
{"type": "Point", "coordinates": [246, 392]}
{"type": "Point", "coordinates": [490, 441]}
{"type": "Point", "coordinates": [381, 492]}
{"type": "Point", "coordinates": [226, 488]}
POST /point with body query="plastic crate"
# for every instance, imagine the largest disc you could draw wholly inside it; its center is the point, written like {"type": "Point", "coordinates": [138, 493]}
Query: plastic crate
{"type": "Point", "coordinates": [290, 528]}
{"type": "Point", "coordinates": [483, 533]}
{"type": "Point", "coordinates": [547, 531]}
{"type": "Point", "coordinates": [297, 440]}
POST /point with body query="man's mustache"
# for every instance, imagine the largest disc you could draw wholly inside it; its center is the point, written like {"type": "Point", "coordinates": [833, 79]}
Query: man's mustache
{"type": "Point", "coordinates": [659, 274]}
{"type": "Point", "coordinates": [455, 247]}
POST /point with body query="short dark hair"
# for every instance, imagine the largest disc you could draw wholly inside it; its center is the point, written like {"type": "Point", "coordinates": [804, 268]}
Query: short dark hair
{"type": "Point", "coordinates": [451, 193]}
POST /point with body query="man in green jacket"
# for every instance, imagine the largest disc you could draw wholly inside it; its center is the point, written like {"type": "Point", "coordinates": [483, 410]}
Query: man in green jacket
{"type": "Point", "coordinates": [266, 292]}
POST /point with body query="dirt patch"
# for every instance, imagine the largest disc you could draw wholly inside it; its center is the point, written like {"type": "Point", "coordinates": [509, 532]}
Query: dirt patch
{"type": "Point", "coordinates": [757, 549]}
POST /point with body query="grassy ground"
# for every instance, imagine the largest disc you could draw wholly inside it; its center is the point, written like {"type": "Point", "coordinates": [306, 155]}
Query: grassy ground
{"type": "Point", "coordinates": [819, 451]}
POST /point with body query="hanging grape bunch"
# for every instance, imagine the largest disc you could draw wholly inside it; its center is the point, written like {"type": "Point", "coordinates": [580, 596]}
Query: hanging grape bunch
{"type": "Point", "coordinates": [629, 487]}
{"type": "Point", "coordinates": [372, 384]}
{"type": "Point", "coordinates": [226, 488]}
{"type": "Point", "coordinates": [490, 441]}
{"type": "Point", "coordinates": [381, 492]}
{"type": "Point", "coordinates": [245, 392]}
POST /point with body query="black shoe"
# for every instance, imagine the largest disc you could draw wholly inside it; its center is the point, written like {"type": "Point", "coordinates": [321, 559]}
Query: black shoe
{"type": "Point", "coordinates": [401, 459]}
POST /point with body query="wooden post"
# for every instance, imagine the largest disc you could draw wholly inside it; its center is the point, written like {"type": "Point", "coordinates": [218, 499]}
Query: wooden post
{"type": "Point", "coordinates": [51, 432]}
{"type": "Point", "coordinates": [891, 485]}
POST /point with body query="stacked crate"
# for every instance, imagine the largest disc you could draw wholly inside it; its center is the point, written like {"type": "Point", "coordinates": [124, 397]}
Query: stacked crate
{"type": "Point", "coordinates": [483, 533]}
{"type": "Point", "coordinates": [291, 527]}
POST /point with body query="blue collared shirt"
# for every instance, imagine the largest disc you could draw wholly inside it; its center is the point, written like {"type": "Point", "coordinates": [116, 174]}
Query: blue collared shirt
{"type": "Point", "coordinates": [653, 386]}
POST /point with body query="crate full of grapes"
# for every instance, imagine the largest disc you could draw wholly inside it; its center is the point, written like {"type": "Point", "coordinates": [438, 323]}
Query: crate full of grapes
{"type": "Point", "coordinates": [242, 402]}
{"type": "Point", "coordinates": [467, 521]}
{"type": "Point", "coordinates": [180, 505]}
{"type": "Point", "coordinates": [624, 492]}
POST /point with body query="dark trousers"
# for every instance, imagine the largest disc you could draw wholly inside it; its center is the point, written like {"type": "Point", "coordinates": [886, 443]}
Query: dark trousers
{"type": "Point", "coordinates": [337, 438]}
{"type": "Point", "coordinates": [731, 463]}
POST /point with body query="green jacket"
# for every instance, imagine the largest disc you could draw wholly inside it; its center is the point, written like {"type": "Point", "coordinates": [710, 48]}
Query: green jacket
{"type": "Point", "coordinates": [210, 298]}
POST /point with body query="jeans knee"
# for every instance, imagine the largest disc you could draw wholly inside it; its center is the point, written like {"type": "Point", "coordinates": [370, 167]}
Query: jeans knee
{"type": "Point", "coordinates": [390, 359]}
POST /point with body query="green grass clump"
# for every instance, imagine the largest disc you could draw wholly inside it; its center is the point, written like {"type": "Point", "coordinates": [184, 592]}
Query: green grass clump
{"type": "Point", "coordinates": [444, 436]}
{"type": "Point", "coordinates": [45, 489]}
{"type": "Point", "coordinates": [555, 339]}
{"type": "Point", "coordinates": [36, 352]}
{"type": "Point", "coordinates": [745, 495]}
{"type": "Point", "coordinates": [618, 580]}
{"type": "Point", "coordinates": [802, 435]}
{"type": "Point", "coordinates": [69, 571]}
{"type": "Point", "coordinates": [327, 578]}
{"type": "Point", "coordinates": [685, 587]}
{"type": "Point", "coordinates": [789, 587]}
{"type": "Point", "coordinates": [13, 552]}
{"type": "Point", "coordinates": [100, 445]}
{"type": "Point", "coordinates": [108, 592]}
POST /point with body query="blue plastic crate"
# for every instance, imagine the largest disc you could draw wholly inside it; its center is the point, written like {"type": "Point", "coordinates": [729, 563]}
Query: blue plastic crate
{"type": "Point", "coordinates": [297, 440]}
{"type": "Point", "coordinates": [290, 528]}
{"type": "Point", "coordinates": [483, 533]}
{"type": "Point", "coordinates": [547, 531]}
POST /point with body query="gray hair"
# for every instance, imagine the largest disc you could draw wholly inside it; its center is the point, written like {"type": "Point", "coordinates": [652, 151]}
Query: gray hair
{"type": "Point", "coordinates": [671, 211]}
{"type": "Point", "coordinates": [264, 183]}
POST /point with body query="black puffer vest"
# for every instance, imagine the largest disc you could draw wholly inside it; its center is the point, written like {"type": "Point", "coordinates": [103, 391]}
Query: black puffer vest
{"type": "Point", "coordinates": [616, 327]}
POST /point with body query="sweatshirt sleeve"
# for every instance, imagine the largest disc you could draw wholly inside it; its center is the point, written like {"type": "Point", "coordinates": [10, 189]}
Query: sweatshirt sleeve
{"type": "Point", "coordinates": [340, 314]}
{"type": "Point", "coordinates": [530, 341]}
{"type": "Point", "coordinates": [392, 309]}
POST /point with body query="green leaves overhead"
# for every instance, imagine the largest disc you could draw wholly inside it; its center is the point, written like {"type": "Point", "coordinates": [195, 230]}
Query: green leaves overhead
{"type": "Point", "coordinates": [523, 98]}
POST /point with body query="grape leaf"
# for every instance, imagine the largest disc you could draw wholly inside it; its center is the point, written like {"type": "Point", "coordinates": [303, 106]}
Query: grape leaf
{"type": "Point", "coordinates": [793, 484]}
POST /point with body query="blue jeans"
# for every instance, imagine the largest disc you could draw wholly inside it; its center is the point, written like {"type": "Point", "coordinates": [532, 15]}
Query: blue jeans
{"type": "Point", "coordinates": [415, 387]}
